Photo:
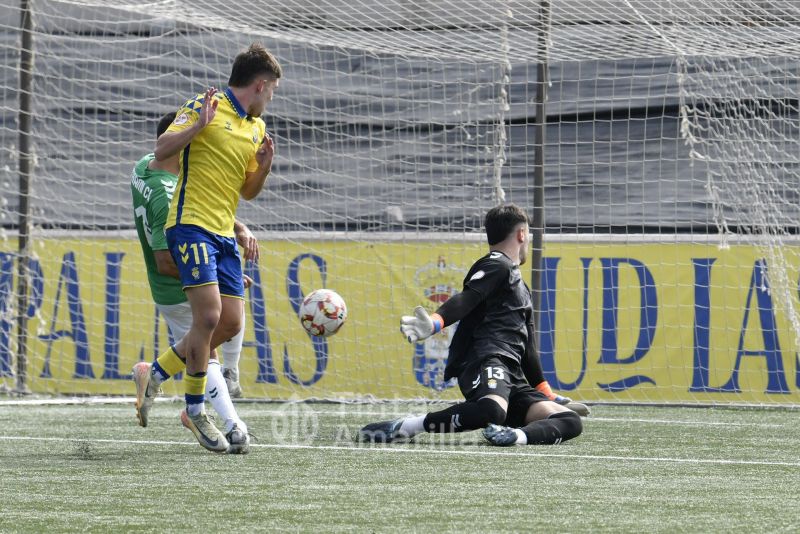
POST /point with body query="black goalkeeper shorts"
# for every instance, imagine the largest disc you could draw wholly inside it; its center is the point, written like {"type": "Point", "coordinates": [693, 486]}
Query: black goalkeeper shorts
{"type": "Point", "coordinates": [500, 376]}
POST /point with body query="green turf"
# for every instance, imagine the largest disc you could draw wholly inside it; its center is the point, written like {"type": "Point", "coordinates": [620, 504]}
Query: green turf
{"type": "Point", "coordinates": [634, 469]}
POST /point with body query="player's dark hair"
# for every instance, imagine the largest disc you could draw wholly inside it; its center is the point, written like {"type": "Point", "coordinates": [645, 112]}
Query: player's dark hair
{"type": "Point", "coordinates": [254, 62]}
{"type": "Point", "coordinates": [501, 220]}
{"type": "Point", "coordinates": [164, 123]}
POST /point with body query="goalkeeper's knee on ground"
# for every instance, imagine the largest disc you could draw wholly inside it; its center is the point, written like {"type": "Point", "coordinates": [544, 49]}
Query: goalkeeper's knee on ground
{"type": "Point", "coordinates": [493, 412]}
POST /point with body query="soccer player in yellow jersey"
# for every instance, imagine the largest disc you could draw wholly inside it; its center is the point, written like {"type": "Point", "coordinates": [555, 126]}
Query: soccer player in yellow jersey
{"type": "Point", "coordinates": [152, 186]}
{"type": "Point", "coordinates": [225, 153]}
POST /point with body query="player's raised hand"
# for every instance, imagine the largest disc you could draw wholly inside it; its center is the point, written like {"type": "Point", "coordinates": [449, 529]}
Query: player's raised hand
{"type": "Point", "coordinates": [265, 152]}
{"type": "Point", "coordinates": [420, 325]}
{"type": "Point", "coordinates": [248, 242]}
{"type": "Point", "coordinates": [209, 109]}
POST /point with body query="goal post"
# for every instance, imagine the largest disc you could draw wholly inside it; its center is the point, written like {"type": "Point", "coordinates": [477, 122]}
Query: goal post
{"type": "Point", "coordinates": [668, 175]}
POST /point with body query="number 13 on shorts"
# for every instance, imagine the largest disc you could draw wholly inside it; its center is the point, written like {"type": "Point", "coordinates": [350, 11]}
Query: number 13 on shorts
{"type": "Point", "coordinates": [495, 372]}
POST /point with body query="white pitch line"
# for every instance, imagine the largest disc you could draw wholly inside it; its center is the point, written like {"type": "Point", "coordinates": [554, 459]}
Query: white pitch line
{"type": "Point", "coordinates": [444, 452]}
{"type": "Point", "coordinates": [389, 415]}
{"type": "Point", "coordinates": [676, 422]}
{"type": "Point", "coordinates": [347, 410]}
{"type": "Point", "coordinates": [88, 401]}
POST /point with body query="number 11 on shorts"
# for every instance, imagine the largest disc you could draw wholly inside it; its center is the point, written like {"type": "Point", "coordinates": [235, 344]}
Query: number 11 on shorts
{"type": "Point", "coordinates": [195, 252]}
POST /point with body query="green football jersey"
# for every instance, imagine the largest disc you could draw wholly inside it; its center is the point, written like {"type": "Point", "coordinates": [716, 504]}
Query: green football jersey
{"type": "Point", "coordinates": [152, 192]}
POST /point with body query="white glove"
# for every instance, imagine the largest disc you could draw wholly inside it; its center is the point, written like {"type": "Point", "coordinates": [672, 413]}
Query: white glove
{"type": "Point", "coordinates": [420, 325]}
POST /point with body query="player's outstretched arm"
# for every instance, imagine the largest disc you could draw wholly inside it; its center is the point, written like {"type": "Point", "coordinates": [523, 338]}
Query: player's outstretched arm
{"type": "Point", "coordinates": [171, 143]}
{"type": "Point", "coordinates": [421, 325]}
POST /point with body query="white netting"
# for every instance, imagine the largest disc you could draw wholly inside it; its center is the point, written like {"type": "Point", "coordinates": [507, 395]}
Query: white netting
{"type": "Point", "coordinates": [409, 118]}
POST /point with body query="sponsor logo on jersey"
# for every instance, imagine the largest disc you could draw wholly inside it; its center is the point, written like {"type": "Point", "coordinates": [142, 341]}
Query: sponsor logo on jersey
{"type": "Point", "coordinates": [492, 383]}
{"type": "Point", "coordinates": [195, 273]}
{"type": "Point", "coordinates": [181, 119]}
{"type": "Point", "coordinates": [228, 126]}
{"type": "Point", "coordinates": [255, 134]}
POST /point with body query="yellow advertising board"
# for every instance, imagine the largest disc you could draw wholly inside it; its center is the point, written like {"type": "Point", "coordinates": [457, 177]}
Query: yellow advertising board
{"type": "Point", "coordinates": [643, 322]}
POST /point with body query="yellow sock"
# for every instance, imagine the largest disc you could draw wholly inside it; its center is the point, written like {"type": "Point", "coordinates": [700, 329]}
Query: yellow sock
{"type": "Point", "coordinates": [195, 392]}
{"type": "Point", "coordinates": [170, 362]}
{"type": "Point", "coordinates": [195, 385]}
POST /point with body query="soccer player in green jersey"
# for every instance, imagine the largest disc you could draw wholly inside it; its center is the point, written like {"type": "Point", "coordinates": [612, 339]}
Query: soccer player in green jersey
{"type": "Point", "coordinates": [225, 153]}
{"type": "Point", "coordinates": [152, 187]}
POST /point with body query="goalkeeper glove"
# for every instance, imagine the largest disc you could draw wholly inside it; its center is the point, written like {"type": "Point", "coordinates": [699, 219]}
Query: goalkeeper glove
{"type": "Point", "coordinates": [420, 325]}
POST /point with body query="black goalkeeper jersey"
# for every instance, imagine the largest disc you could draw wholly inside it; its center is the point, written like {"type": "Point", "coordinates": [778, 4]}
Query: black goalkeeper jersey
{"type": "Point", "coordinates": [499, 325]}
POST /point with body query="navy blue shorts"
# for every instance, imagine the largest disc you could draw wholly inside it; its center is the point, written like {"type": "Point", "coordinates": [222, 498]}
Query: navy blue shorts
{"type": "Point", "coordinates": [205, 258]}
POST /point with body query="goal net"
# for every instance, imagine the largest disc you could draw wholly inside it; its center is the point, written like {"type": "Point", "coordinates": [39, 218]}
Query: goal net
{"type": "Point", "coordinates": [671, 164]}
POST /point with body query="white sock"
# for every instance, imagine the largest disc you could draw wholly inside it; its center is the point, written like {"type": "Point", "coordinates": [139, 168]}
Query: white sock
{"type": "Point", "coordinates": [232, 349]}
{"type": "Point", "coordinates": [522, 439]}
{"type": "Point", "coordinates": [156, 377]}
{"type": "Point", "coordinates": [195, 408]}
{"type": "Point", "coordinates": [412, 425]}
{"type": "Point", "coordinates": [217, 394]}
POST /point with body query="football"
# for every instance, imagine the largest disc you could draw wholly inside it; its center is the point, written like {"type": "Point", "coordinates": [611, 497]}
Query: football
{"type": "Point", "coordinates": [323, 312]}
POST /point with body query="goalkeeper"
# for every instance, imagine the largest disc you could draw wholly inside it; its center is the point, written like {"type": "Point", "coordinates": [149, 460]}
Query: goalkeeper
{"type": "Point", "coordinates": [492, 352]}
{"type": "Point", "coordinates": [152, 187]}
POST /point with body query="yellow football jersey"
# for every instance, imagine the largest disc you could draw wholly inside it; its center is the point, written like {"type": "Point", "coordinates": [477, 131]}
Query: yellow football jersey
{"type": "Point", "coordinates": [213, 165]}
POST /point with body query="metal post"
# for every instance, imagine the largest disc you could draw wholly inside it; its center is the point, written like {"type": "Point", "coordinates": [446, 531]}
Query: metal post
{"type": "Point", "coordinates": [25, 168]}
{"type": "Point", "coordinates": [537, 224]}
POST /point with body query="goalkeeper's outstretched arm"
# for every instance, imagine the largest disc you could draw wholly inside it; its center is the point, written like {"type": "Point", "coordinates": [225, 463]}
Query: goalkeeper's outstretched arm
{"type": "Point", "coordinates": [421, 325]}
